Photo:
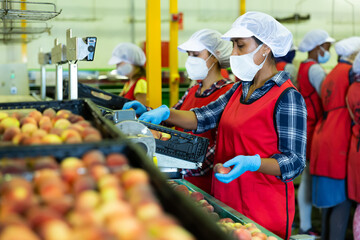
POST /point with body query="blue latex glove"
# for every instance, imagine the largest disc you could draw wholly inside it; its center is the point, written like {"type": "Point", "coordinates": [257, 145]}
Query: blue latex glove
{"type": "Point", "coordinates": [137, 106]}
{"type": "Point", "coordinates": [157, 115]}
{"type": "Point", "coordinates": [241, 164]}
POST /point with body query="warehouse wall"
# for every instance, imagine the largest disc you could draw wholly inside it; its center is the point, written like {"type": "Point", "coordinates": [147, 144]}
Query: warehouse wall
{"type": "Point", "coordinates": [110, 21]}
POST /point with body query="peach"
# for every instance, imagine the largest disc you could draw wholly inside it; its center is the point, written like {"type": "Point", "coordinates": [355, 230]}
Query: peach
{"type": "Point", "coordinates": [156, 134]}
{"type": "Point", "coordinates": [70, 135]}
{"type": "Point", "coordinates": [3, 115]}
{"type": "Point", "coordinates": [17, 192]}
{"type": "Point", "coordinates": [197, 196]}
{"type": "Point", "coordinates": [133, 177]}
{"type": "Point", "coordinates": [55, 229]}
{"type": "Point", "coordinates": [116, 160]}
{"type": "Point", "coordinates": [219, 168]}
{"type": "Point", "coordinates": [260, 235]}
{"type": "Point", "coordinates": [77, 127]}
{"type": "Point", "coordinates": [74, 118]}
{"type": "Point", "coordinates": [108, 181]}
{"type": "Point", "coordinates": [61, 205]}
{"type": "Point", "coordinates": [83, 183]}
{"type": "Point", "coordinates": [31, 141]}
{"type": "Point", "coordinates": [29, 128]}
{"type": "Point", "coordinates": [52, 189]}
{"type": "Point", "coordinates": [148, 210]}
{"type": "Point", "coordinates": [28, 119]}
{"type": "Point", "coordinates": [131, 227]}
{"type": "Point", "coordinates": [35, 114]}
{"type": "Point", "coordinates": [93, 137]}
{"type": "Point", "coordinates": [39, 133]}
{"type": "Point", "coordinates": [56, 131]}
{"type": "Point", "coordinates": [63, 113]}
{"type": "Point", "coordinates": [208, 208]}
{"type": "Point", "coordinates": [84, 123]}
{"type": "Point", "coordinates": [9, 122]}
{"type": "Point", "coordinates": [62, 123]}
{"type": "Point", "coordinates": [49, 112]}
{"type": "Point", "coordinates": [37, 216]}
{"type": "Point", "coordinates": [43, 175]}
{"type": "Point", "coordinates": [214, 216]}
{"type": "Point", "coordinates": [253, 230]}
{"type": "Point", "coordinates": [183, 189]}
{"type": "Point", "coordinates": [272, 238]}
{"type": "Point", "coordinates": [47, 126]}
{"type": "Point", "coordinates": [93, 157]}
{"type": "Point", "coordinates": [51, 139]}
{"type": "Point", "coordinates": [98, 171]}
{"type": "Point", "coordinates": [115, 208]}
{"type": "Point", "coordinates": [70, 168]}
{"type": "Point", "coordinates": [18, 138]}
{"type": "Point", "coordinates": [10, 132]}
{"type": "Point", "coordinates": [45, 162]}
{"type": "Point", "coordinates": [241, 234]}
{"type": "Point", "coordinates": [87, 200]}
{"type": "Point", "coordinates": [165, 136]}
{"type": "Point", "coordinates": [17, 115]}
{"type": "Point", "coordinates": [111, 194]}
{"type": "Point", "coordinates": [17, 232]}
{"type": "Point", "coordinates": [44, 119]}
{"type": "Point", "coordinates": [225, 220]}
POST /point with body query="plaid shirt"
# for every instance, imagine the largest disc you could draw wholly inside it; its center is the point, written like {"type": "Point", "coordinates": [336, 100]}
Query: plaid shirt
{"type": "Point", "coordinates": [210, 154]}
{"type": "Point", "coordinates": [291, 116]}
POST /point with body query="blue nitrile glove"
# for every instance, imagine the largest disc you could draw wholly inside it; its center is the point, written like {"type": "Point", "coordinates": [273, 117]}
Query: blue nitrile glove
{"type": "Point", "coordinates": [157, 115]}
{"type": "Point", "coordinates": [137, 106]}
{"type": "Point", "coordinates": [241, 164]}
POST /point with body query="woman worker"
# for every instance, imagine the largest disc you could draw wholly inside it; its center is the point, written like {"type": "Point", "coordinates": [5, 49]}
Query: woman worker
{"type": "Point", "coordinates": [330, 147]}
{"type": "Point", "coordinates": [261, 124]}
{"type": "Point", "coordinates": [353, 167]}
{"type": "Point", "coordinates": [130, 60]}
{"type": "Point", "coordinates": [207, 55]}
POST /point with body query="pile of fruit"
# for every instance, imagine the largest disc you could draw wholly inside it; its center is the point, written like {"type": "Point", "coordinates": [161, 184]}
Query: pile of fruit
{"type": "Point", "coordinates": [95, 197]}
{"type": "Point", "coordinates": [49, 127]}
{"type": "Point", "coordinates": [239, 231]}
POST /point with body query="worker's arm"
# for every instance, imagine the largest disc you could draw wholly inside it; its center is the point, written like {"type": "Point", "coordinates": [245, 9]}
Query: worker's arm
{"type": "Point", "coordinates": [270, 166]}
{"type": "Point", "coordinates": [183, 119]}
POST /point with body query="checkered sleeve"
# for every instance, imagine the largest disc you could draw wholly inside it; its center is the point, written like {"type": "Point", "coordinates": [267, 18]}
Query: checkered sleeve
{"type": "Point", "coordinates": [291, 116]}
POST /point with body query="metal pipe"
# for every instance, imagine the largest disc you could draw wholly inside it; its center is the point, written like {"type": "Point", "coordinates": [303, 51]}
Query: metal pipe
{"type": "Point", "coordinates": [43, 82]}
{"type": "Point", "coordinates": [132, 20]}
{"type": "Point", "coordinates": [73, 81]}
{"type": "Point", "coordinates": [353, 16]}
{"type": "Point", "coordinates": [59, 82]}
{"type": "Point", "coordinates": [153, 53]}
{"type": "Point", "coordinates": [173, 53]}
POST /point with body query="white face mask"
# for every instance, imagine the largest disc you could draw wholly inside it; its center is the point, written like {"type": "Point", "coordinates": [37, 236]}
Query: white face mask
{"type": "Point", "coordinates": [243, 66]}
{"type": "Point", "coordinates": [124, 69]}
{"type": "Point", "coordinates": [196, 67]}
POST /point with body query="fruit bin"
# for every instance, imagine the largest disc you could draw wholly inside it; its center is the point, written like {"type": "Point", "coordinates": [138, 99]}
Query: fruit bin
{"type": "Point", "coordinates": [84, 107]}
{"type": "Point", "coordinates": [186, 212]}
{"type": "Point", "coordinates": [222, 209]}
{"type": "Point", "coordinates": [107, 102]}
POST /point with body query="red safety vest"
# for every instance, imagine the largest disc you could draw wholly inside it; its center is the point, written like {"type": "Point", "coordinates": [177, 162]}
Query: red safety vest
{"type": "Point", "coordinates": [280, 66]}
{"type": "Point", "coordinates": [130, 94]}
{"type": "Point", "coordinates": [249, 129]}
{"type": "Point", "coordinates": [331, 138]}
{"type": "Point", "coordinates": [191, 101]}
{"type": "Point", "coordinates": [312, 101]}
{"type": "Point", "coordinates": [353, 176]}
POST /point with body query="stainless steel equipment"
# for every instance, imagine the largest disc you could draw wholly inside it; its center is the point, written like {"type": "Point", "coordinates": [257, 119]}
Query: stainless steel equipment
{"type": "Point", "coordinates": [14, 79]}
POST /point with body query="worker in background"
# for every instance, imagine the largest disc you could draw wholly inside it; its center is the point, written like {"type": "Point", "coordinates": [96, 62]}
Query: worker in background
{"type": "Point", "coordinates": [207, 55]}
{"type": "Point", "coordinates": [130, 60]}
{"type": "Point", "coordinates": [310, 77]}
{"type": "Point", "coordinates": [285, 64]}
{"type": "Point", "coordinates": [261, 125]}
{"type": "Point", "coordinates": [330, 147]}
{"type": "Point", "coordinates": [353, 167]}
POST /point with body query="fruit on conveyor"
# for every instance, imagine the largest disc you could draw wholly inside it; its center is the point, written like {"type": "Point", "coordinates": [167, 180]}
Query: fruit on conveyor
{"type": "Point", "coordinates": [239, 231]}
{"type": "Point", "coordinates": [82, 198]}
{"type": "Point", "coordinates": [49, 127]}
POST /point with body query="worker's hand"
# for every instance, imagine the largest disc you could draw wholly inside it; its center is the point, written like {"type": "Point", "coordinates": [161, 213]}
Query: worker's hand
{"type": "Point", "coordinates": [137, 106]}
{"type": "Point", "coordinates": [157, 115]}
{"type": "Point", "coordinates": [241, 164]}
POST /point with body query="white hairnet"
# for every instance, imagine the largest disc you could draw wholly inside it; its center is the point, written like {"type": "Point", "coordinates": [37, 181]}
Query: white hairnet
{"type": "Point", "coordinates": [356, 64]}
{"type": "Point", "coordinates": [347, 46]}
{"type": "Point", "coordinates": [263, 27]}
{"type": "Point", "coordinates": [128, 52]}
{"type": "Point", "coordinates": [210, 40]}
{"type": "Point", "coordinates": [313, 39]}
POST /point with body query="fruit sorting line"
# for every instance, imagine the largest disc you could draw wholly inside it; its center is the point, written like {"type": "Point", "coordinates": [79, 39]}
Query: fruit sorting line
{"type": "Point", "coordinates": [222, 209]}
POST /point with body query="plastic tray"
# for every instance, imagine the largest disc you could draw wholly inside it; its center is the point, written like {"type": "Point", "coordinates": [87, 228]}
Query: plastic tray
{"type": "Point", "coordinates": [83, 107]}
{"type": "Point", "coordinates": [106, 101]}
{"type": "Point", "coordinates": [186, 212]}
{"type": "Point", "coordinates": [181, 145]}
